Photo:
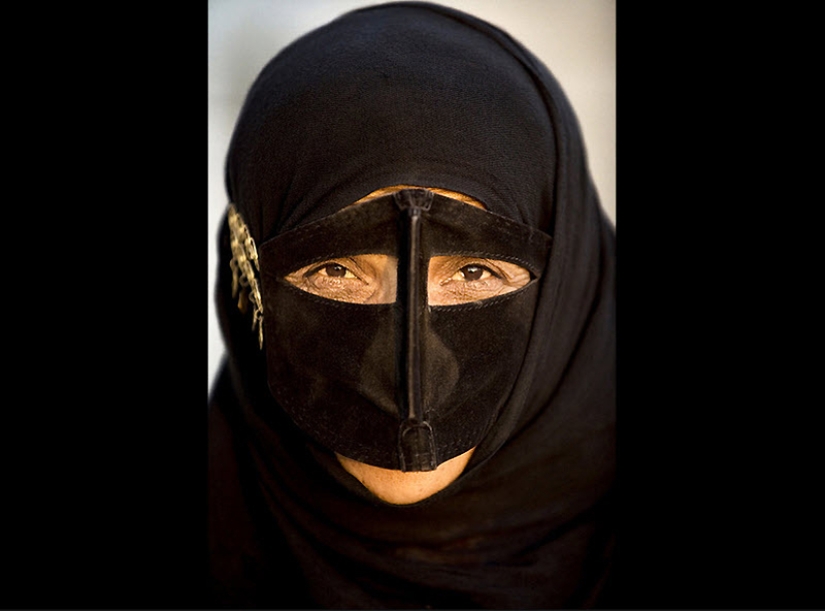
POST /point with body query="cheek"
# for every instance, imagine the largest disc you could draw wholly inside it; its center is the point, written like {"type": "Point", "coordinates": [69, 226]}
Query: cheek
{"type": "Point", "coordinates": [456, 292]}
{"type": "Point", "coordinates": [455, 280]}
{"type": "Point", "coordinates": [386, 282]}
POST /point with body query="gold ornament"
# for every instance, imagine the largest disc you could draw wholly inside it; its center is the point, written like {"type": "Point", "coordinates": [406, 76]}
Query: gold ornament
{"type": "Point", "coordinates": [244, 282]}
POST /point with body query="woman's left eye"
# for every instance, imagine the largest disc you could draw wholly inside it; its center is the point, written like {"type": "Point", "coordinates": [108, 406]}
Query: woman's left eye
{"type": "Point", "coordinates": [332, 270]}
{"type": "Point", "coordinates": [455, 279]}
{"type": "Point", "coordinates": [473, 273]}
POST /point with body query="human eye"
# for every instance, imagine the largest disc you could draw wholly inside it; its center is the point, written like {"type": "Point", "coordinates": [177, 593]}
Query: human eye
{"type": "Point", "coordinates": [474, 273]}
{"type": "Point", "coordinates": [455, 279]}
{"type": "Point", "coordinates": [356, 279]}
{"type": "Point", "coordinates": [330, 270]}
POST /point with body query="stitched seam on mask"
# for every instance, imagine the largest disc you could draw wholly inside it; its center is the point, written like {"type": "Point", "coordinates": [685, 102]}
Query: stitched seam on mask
{"type": "Point", "coordinates": [334, 434]}
{"type": "Point", "coordinates": [321, 224]}
{"type": "Point", "coordinates": [437, 215]}
{"type": "Point", "coordinates": [460, 445]}
{"type": "Point", "coordinates": [335, 303]}
{"type": "Point", "coordinates": [484, 303]}
{"type": "Point", "coordinates": [300, 233]}
{"type": "Point", "coordinates": [297, 415]}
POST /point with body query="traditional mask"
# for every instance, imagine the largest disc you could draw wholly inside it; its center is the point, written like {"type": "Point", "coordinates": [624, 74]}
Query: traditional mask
{"type": "Point", "coordinates": [403, 384]}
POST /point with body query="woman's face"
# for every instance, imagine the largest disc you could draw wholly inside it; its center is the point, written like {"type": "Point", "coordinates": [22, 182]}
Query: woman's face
{"type": "Point", "coordinates": [372, 279]}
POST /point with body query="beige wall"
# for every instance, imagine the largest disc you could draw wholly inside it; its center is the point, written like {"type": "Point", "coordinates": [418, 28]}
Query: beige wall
{"type": "Point", "coordinates": [575, 38]}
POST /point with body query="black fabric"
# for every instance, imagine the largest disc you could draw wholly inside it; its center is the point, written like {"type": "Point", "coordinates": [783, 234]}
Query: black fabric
{"type": "Point", "coordinates": [417, 94]}
{"type": "Point", "coordinates": [344, 371]}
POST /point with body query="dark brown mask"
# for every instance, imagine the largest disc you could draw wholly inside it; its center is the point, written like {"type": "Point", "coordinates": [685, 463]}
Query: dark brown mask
{"type": "Point", "coordinates": [405, 384]}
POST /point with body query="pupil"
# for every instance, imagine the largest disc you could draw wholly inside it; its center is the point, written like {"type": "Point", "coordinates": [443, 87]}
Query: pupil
{"type": "Point", "coordinates": [472, 272]}
{"type": "Point", "coordinates": [336, 271]}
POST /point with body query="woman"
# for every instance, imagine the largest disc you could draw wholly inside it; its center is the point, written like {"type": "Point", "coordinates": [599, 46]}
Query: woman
{"type": "Point", "coordinates": [417, 291]}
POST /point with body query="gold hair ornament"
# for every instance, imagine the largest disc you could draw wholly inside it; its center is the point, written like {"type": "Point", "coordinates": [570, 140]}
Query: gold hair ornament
{"type": "Point", "coordinates": [244, 283]}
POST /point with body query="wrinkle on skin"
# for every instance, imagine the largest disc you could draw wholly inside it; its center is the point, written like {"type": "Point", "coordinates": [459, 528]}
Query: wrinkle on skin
{"type": "Point", "coordinates": [375, 277]}
{"type": "Point", "coordinates": [449, 285]}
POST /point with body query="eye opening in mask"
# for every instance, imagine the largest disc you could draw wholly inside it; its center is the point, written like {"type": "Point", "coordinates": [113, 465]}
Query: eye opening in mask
{"type": "Point", "coordinates": [459, 279]}
{"type": "Point", "coordinates": [362, 278]}
{"type": "Point", "coordinates": [372, 279]}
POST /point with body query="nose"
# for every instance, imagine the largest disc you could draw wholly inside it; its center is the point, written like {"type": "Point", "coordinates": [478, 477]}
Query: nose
{"type": "Point", "coordinates": [416, 446]}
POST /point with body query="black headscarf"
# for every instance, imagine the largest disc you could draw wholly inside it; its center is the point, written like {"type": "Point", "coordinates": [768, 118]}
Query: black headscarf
{"type": "Point", "coordinates": [418, 94]}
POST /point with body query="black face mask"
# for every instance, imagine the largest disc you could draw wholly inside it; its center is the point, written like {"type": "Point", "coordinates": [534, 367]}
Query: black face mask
{"type": "Point", "coordinates": [404, 385]}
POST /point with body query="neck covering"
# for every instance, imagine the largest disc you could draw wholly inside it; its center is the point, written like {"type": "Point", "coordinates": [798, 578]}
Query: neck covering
{"type": "Point", "coordinates": [418, 94]}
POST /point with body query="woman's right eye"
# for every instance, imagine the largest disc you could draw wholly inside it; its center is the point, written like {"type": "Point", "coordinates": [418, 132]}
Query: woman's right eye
{"type": "Point", "coordinates": [356, 279]}
{"type": "Point", "coordinates": [332, 270]}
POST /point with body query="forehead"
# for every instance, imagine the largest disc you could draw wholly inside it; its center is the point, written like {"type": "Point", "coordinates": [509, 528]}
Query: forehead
{"type": "Point", "coordinates": [445, 192]}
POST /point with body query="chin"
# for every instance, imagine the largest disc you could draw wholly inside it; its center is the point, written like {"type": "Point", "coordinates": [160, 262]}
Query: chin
{"type": "Point", "coordinates": [404, 488]}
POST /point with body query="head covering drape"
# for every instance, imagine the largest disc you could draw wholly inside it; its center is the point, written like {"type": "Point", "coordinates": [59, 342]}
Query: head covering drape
{"type": "Point", "coordinates": [418, 94]}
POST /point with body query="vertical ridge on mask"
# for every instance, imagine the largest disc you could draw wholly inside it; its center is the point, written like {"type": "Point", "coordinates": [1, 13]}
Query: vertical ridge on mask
{"type": "Point", "coordinates": [416, 446]}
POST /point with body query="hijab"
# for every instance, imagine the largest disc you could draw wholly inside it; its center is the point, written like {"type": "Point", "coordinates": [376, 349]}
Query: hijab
{"type": "Point", "coordinates": [413, 93]}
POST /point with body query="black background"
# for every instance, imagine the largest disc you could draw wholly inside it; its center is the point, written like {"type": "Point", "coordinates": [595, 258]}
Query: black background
{"type": "Point", "coordinates": [104, 440]}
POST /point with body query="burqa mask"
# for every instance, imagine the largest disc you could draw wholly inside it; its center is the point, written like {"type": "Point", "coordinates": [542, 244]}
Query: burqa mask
{"type": "Point", "coordinates": [403, 384]}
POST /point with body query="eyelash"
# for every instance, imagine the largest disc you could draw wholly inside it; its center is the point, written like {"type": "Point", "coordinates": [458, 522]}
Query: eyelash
{"type": "Point", "coordinates": [484, 268]}
{"type": "Point", "coordinates": [328, 264]}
